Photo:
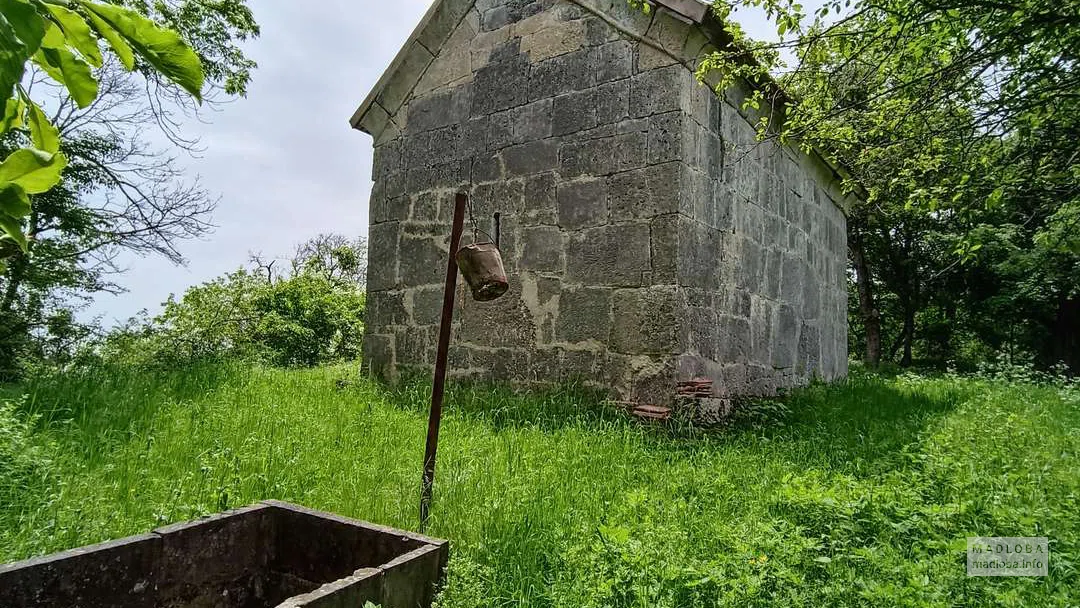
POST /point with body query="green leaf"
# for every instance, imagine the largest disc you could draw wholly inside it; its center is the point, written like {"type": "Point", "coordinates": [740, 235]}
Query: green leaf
{"type": "Point", "coordinates": [74, 73]}
{"type": "Point", "coordinates": [163, 49]}
{"type": "Point", "coordinates": [78, 33]}
{"type": "Point", "coordinates": [13, 200]}
{"type": "Point", "coordinates": [45, 136]}
{"type": "Point", "coordinates": [12, 58]}
{"type": "Point", "coordinates": [26, 22]}
{"type": "Point", "coordinates": [33, 170]}
{"type": "Point", "coordinates": [115, 40]}
{"type": "Point", "coordinates": [13, 115]}
{"type": "Point", "coordinates": [13, 228]}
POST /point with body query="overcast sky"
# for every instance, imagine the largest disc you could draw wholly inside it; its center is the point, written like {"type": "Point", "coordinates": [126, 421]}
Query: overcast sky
{"type": "Point", "coordinates": [284, 160]}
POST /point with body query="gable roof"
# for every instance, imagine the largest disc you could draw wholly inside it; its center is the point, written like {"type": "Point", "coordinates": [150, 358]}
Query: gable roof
{"type": "Point", "coordinates": [435, 28]}
{"type": "Point", "coordinates": [444, 16]}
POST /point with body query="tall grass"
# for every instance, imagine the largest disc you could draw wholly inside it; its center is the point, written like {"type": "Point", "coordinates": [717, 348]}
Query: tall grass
{"type": "Point", "coordinates": [852, 495]}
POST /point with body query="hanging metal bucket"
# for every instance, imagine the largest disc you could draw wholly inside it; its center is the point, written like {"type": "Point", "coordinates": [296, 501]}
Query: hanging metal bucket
{"type": "Point", "coordinates": [481, 265]}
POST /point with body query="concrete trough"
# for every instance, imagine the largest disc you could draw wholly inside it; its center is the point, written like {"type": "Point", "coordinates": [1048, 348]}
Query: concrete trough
{"type": "Point", "coordinates": [272, 554]}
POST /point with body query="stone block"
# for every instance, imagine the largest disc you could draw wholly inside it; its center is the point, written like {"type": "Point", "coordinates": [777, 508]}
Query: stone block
{"type": "Point", "coordinates": [383, 256]}
{"type": "Point", "coordinates": [574, 112]}
{"type": "Point", "coordinates": [736, 344]}
{"type": "Point", "coordinates": [486, 168]}
{"type": "Point", "coordinates": [505, 322]}
{"type": "Point", "coordinates": [451, 67]}
{"type": "Point", "coordinates": [447, 175]}
{"type": "Point", "coordinates": [502, 363]}
{"type": "Point", "coordinates": [556, 39]}
{"type": "Point", "coordinates": [701, 255]}
{"type": "Point", "coordinates": [379, 355]}
{"type": "Point", "coordinates": [431, 147]}
{"type": "Point", "coordinates": [424, 207]}
{"type": "Point", "coordinates": [385, 308]}
{"type": "Point", "coordinates": [535, 23]}
{"type": "Point", "coordinates": [651, 58]}
{"type": "Point", "coordinates": [503, 82]}
{"type": "Point", "coordinates": [582, 365]}
{"type": "Point", "coordinates": [657, 91]}
{"type": "Point", "coordinates": [598, 32]}
{"type": "Point", "coordinates": [630, 19]}
{"type": "Point", "coordinates": [702, 329]}
{"type": "Point", "coordinates": [415, 346]}
{"type": "Point", "coordinates": [647, 192]}
{"type": "Point", "coordinates": [761, 328]}
{"type": "Point", "coordinates": [809, 356]}
{"type": "Point", "coordinates": [414, 60]}
{"type": "Point", "coordinates": [541, 207]}
{"type": "Point", "coordinates": [422, 261]}
{"type": "Point", "coordinates": [740, 303]}
{"type": "Point", "coordinates": [543, 249]}
{"type": "Point", "coordinates": [749, 273]}
{"type": "Point", "coordinates": [602, 156]}
{"type": "Point", "coordinates": [669, 31]}
{"type": "Point", "coordinates": [531, 157]}
{"type": "Point", "coordinates": [811, 304]}
{"type": "Point", "coordinates": [717, 203]}
{"type": "Point", "coordinates": [425, 305]}
{"type": "Point", "coordinates": [664, 249]}
{"type": "Point", "coordinates": [574, 71]}
{"type": "Point", "coordinates": [584, 315]}
{"type": "Point", "coordinates": [384, 209]}
{"type": "Point", "coordinates": [773, 269]}
{"type": "Point", "coordinates": [386, 160]}
{"type": "Point", "coordinates": [785, 338]}
{"type": "Point", "coordinates": [615, 61]}
{"type": "Point", "coordinates": [484, 43]}
{"type": "Point", "coordinates": [646, 321]}
{"type": "Point", "coordinates": [665, 138]}
{"type": "Point", "coordinates": [612, 102]}
{"type": "Point", "coordinates": [792, 275]}
{"type": "Point", "coordinates": [614, 255]}
{"type": "Point", "coordinates": [652, 381]}
{"type": "Point", "coordinates": [545, 365]}
{"type": "Point", "coordinates": [496, 18]}
{"type": "Point", "coordinates": [582, 204]}
{"type": "Point", "coordinates": [504, 197]}
{"type": "Point", "coordinates": [533, 121]}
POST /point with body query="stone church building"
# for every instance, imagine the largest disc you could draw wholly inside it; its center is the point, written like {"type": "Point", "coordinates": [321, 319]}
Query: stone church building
{"type": "Point", "coordinates": [647, 236]}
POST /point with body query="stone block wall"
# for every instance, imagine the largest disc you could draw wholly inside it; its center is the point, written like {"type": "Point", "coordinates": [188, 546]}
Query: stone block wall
{"type": "Point", "coordinates": [647, 236]}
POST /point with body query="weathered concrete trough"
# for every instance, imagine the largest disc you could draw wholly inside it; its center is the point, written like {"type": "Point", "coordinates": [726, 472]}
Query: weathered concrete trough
{"type": "Point", "coordinates": [272, 554]}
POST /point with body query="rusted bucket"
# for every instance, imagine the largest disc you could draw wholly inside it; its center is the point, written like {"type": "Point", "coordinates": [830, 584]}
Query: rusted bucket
{"type": "Point", "coordinates": [481, 264]}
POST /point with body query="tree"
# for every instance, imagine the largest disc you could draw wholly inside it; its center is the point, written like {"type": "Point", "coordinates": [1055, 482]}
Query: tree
{"type": "Point", "coordinates": [119, 193]}
{"type": "Point", "coordinates": [336, 258]}
{"type": "Point", "coordinates": [957, 118]}
{"type": "Point", "coordinates": [305, 317]}
{"type": "Point", "coordinates": [63, 39]}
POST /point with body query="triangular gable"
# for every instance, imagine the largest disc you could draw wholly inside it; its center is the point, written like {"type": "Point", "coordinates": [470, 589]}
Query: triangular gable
{"type": "Point", "coordinates": [423, 46]}
{"type": "Point", "coordinates": [683, 29]}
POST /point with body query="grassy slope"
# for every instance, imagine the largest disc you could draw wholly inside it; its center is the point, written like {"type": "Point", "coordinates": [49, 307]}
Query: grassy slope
{"type": "Point", "coordinates": [861, 495]}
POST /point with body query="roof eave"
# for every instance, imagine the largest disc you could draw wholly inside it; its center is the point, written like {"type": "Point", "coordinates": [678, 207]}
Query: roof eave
{"type": "Point", "coordinates": [440, 20]}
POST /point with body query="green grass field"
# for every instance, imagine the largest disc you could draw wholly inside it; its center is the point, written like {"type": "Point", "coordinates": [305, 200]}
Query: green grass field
{"type": "Point", "coordinates": [854, 495]}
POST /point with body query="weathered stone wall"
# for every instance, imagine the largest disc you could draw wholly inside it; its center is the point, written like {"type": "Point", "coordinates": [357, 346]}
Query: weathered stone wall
{"type": "Point", "coordinates": [646, 236]}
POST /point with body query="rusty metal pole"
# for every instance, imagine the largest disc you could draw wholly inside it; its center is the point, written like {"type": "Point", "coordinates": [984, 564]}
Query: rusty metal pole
{"type": "Point", "coordinates": [439, 384]}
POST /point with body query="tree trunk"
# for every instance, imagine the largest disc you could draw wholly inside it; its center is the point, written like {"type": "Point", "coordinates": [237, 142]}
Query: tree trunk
{"type": "Point", "coordinates": [868, 311]}
{"type": "Point", "coordinates": [909, 334]}
{"type": "Point", "coordinates": [16, 272]}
